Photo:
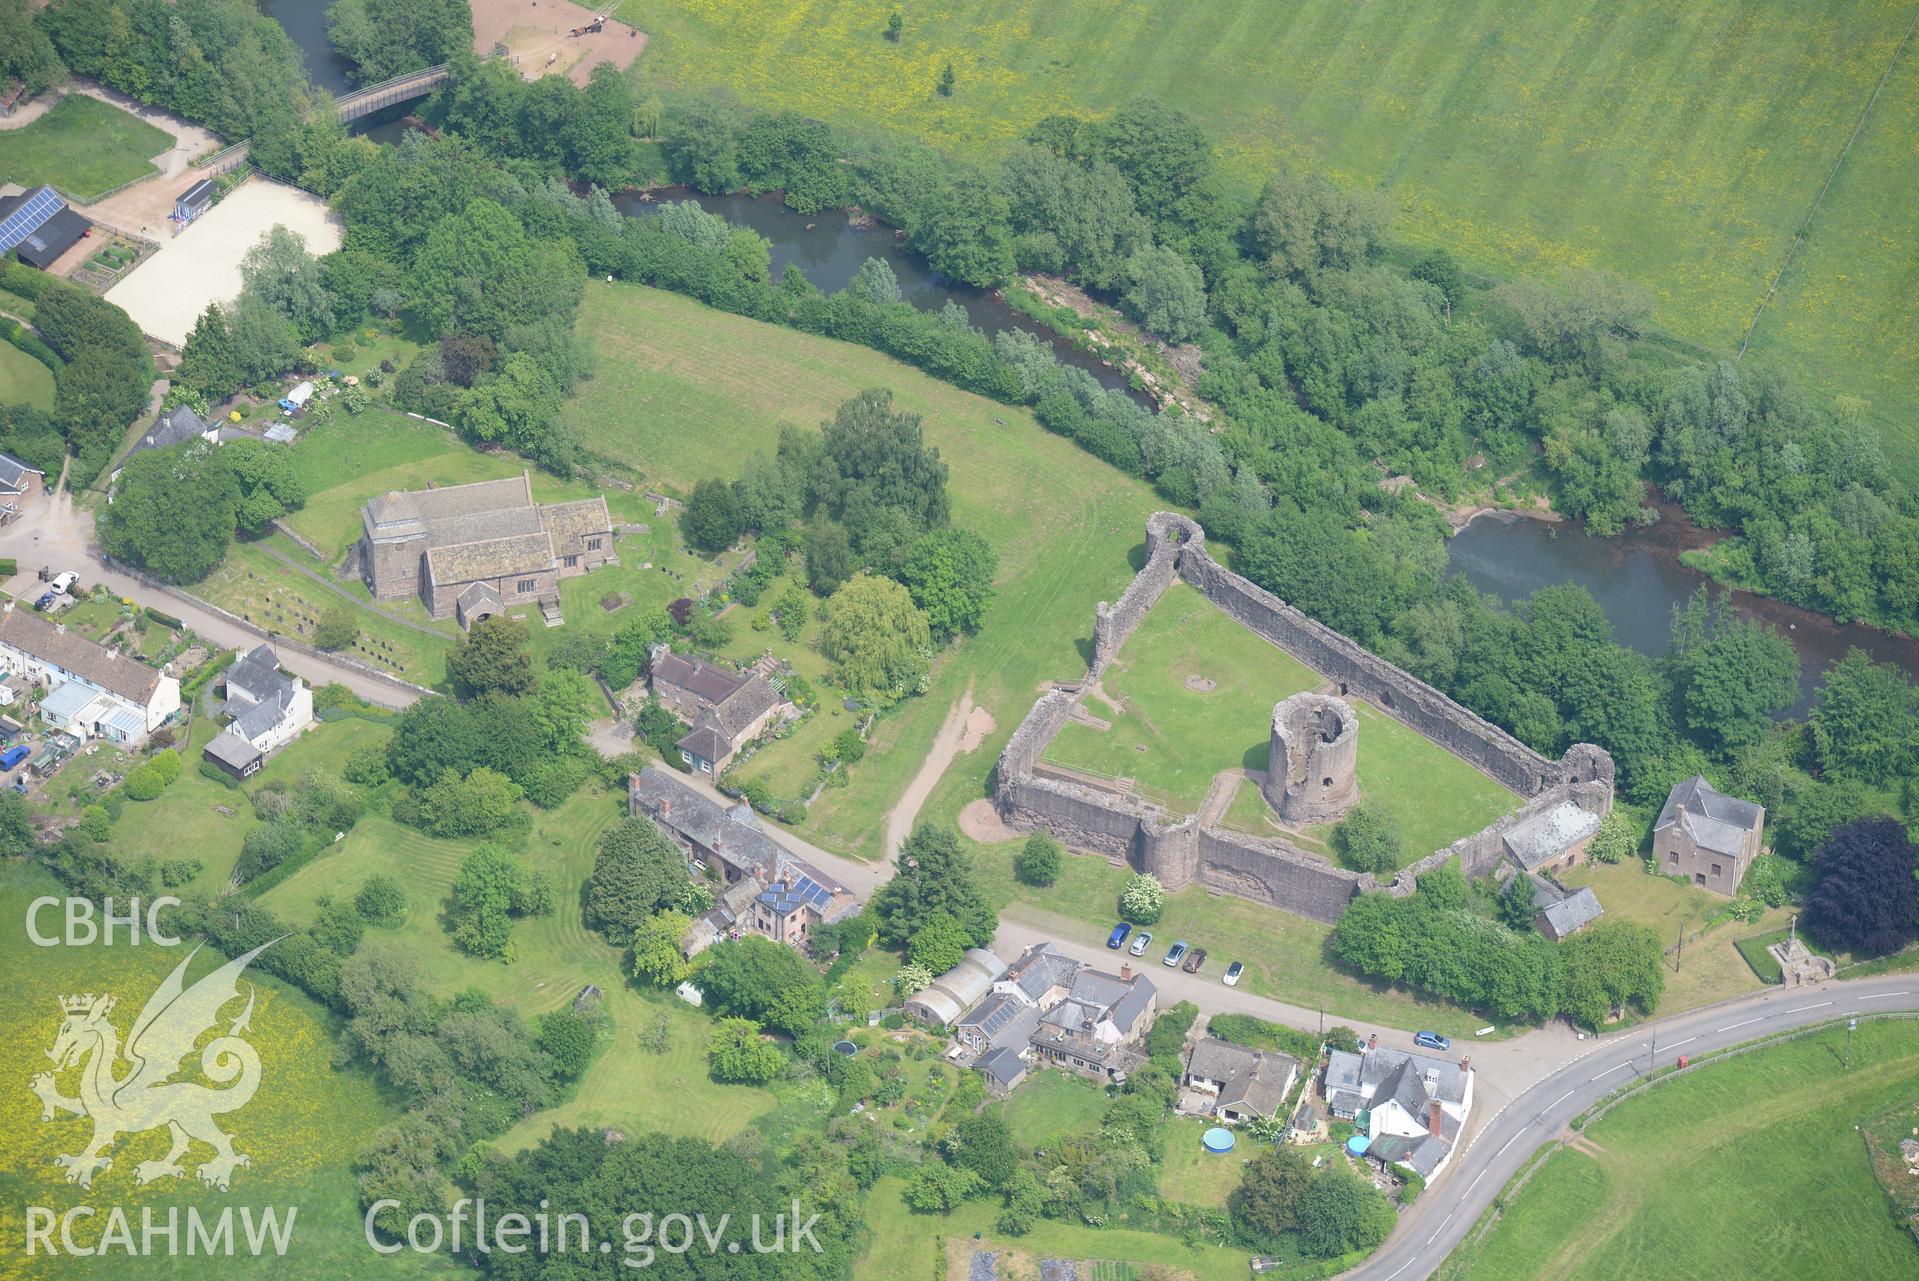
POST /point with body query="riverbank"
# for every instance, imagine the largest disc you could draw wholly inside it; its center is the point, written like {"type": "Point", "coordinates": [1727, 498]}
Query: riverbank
{"type": "Point", "coordinates": [1641, 574]}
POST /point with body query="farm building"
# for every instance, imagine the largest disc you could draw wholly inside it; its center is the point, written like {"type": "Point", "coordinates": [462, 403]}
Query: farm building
{"type": "Point", "coordinates": [39, 227]}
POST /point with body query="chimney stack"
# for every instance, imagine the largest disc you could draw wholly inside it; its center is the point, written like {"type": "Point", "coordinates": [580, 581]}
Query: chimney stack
{"type": "Point", "coordinates": [1126, 972]}
{"type": "Point", "coordinates": [1466, 1064]}
{"type": "Point", "coordinates": [1372, 1043]}
{"type": "Point", "coordinates": [1435, 1120]}
{"type": "Point", "coordinates": [666, 807]}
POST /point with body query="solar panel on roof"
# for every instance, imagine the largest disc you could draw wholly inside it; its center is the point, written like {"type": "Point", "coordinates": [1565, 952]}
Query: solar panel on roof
{"type": "Point", "coordinates": [810, 890]}
{"type": "Point", "coordinates": [27, 219]}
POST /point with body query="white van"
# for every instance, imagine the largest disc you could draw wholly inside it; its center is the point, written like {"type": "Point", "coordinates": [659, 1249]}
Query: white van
{"type": "Point", "coordinates": [61, 582]}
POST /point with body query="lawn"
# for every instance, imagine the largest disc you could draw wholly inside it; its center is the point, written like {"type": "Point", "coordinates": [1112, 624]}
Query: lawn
{"type": "Point", "coordinates": [1709, 968]}
{"type": "Point", "coordinates": [1679, 147]}
{"type": "Point", "coordinates": [1190, 1174]}
{"type": "Point", "coordinates": [627, 1087]}
{"type": "Point", "coordinates": [1169, 738]}
{"type": "Point", "coordinates": [908, 1245]}
{"type": "Point", "coordinates": [686, 392]}
{"type": "Point", "coordinates": [1286, 956]}
{"type": "Point", "coordinates": [303, 1129]}
{"type": "Point", "coordinates": [24, 380]}
{"type": "Point", "coordinates": [1051, 1105]}
{"type": "Point", "coordinates": [83, 146]}
{"type": "Point", "coordinates": [1749, 1168]}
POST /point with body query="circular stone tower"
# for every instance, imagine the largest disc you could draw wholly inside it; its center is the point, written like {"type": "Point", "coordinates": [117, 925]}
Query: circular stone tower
{"type": "Point", "coordinates": [1315, 749]}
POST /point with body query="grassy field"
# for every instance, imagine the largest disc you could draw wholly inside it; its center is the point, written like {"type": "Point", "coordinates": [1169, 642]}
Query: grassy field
{"type": "Point", "coordinates": [302, 1129]}
{"type": "Point", "coordinates": [1169, 738]}
{"type": "Point", "coordinates": [82, 146]}
{"type": "Point", "coordinates": [1677, 147]}
{"type": "Point", "coordinates": [909, 1245]}
{"type": "Point", "coordinates": [1166, 736]}
{"type": "Point", "coordinates": [627, 1087]}
{"type": "Point", "coordinates": [685, 392]}
{"type": "Point", "coordinates": [1710, 967]}
{"type": "Point", "coordinates": [24, 380]}
{"type": "Point", "coordinates": [1749, 1168]}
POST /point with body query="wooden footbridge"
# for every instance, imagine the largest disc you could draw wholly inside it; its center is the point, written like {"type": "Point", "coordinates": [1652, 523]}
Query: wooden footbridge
{"type": "Point", "coordinates": [351, 107]}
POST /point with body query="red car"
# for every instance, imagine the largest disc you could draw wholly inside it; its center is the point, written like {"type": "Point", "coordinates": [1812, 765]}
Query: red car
{"type": "Point", "coordinates": [1194, 959]}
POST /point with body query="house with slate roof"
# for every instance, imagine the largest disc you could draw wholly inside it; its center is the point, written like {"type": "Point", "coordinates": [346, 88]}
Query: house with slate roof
{"type": "Point", "coordinates": [269, 707]}
{"type": "Point", "coordinates": [1557, 914]}
{"type": "Point", "coordinates": [18, 483]}
{"type": "Point", "coordinates": [726, 709]}
{"type": "Point", "coordinates": [1233, 1083]}
{"type": "Point", "coordinates": [1554, 839]}
{"type": "Point", "coordinates": [766, 891]}
{"type": "Point", "coordinates": [96, 692]}
{"type": "Point", "coordinates": [477, 550]}
{"type": "Point", "coordinates": [1045, 1010]}
{"type": "Point", "coordinates": [1411, 1107]}
{"type": "Point", "coordinates": [1706, 836]}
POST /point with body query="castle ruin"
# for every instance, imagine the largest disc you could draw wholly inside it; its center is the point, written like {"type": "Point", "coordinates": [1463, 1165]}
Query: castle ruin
{"type": "Point", "coordinates": [1181, 850]}
{"type": "Point", "coordinates": [1313, 775]}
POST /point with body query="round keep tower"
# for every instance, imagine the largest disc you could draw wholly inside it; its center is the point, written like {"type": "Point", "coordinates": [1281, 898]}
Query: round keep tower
{"type": "Point", "coordinates": [1311, 776]}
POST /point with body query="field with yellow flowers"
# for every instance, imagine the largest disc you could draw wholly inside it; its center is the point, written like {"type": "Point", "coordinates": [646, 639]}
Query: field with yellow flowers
{"type": "Point", "coordinates": [301, 1130]}
{"type": "Point", "coordinates": [1679, 146]}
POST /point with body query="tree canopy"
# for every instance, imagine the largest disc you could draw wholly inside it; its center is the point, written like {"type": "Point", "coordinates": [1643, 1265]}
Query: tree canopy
{"type": "Point", "coordinates": [934, 877]}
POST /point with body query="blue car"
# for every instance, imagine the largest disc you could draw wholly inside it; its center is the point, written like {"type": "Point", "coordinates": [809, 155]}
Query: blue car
{"type": "Point", "coordinates": [45, 601]}
{"type": "Point", "coordinates": [1118, 935]}
{"type": "Point", "coordinates": [14, 755]}
{"type": "Point", "coordinates": [1431, 1041]}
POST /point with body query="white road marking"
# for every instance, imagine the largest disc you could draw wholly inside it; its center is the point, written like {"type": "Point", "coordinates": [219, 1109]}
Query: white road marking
{"type": "Point", "coordinates": [1562, 1098]}
{"type": "Point", "coordinates": [1402, 1267]}
{"type": "Point", "coordinates": [1880, 996]}
{"type": "Point", "coordinates": [1614, 1068]}
{"type": "Point", "coordinates": [1672, 1045]}
{"type": "Point", "coordinates": [1730, 1026]}
{"type": "Point", "coordinates": [1801, 1008]}
{"type": "Point", "coordinates": [1508, 1143]}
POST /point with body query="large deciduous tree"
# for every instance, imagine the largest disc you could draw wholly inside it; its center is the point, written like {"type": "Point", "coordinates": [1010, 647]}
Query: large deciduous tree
{"type": "Point", "coordinates": [492, 658]}
{"type": "Point", "coordinates": [173, 512]}
{"type": "Point", "coordinates": [1863, 895]}
{"type": "Point", "coordinates": [877, 638]}
{"type": "Point", "coordinates": [950, 575]}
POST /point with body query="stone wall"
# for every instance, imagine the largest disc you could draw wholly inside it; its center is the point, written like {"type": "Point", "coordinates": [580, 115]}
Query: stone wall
{"type": "Point", "coordinates": [1166, 534]}
{"type": "Point", "coordinates": [1181, 852]}
{"type": "Point", "coordinates": [1359, 674]}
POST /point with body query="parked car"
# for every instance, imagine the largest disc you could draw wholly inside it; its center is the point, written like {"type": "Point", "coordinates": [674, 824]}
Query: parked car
{"type": "Point", "coordinates": [1118, 935]}
{"type": "Point", "coordinates": [14, 755]}
{"type": "Point", "coordinates": [1233, 972]}
{"type": "Point", "coordinates": [1431, 1041]}
{"type": "Point", "coordinates": [1194, 959]}
{"type": "Point", "coordinates": [62, 583]}
{"type": "Point", "coordinates": [1175, 954]}
{"type": "Point", "coordinates": [1141, 941]}
{"type": "Point", "coordinates": [44, 601]}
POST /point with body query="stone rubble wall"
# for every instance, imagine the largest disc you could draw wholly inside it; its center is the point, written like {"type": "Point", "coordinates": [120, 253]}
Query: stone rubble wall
{"type": "Point", "coordinates": [1357, 673]}
{"type": "Point", "coordinates": [1177, 849]}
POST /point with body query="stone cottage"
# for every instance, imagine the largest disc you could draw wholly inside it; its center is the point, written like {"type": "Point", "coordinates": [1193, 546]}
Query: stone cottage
{"type": "Point", "coordinates": [1707, 837]}
{"type": "Point", "coordinates": [725, 709]}
{"type": "Point", "coordinates": [1233, 1083]}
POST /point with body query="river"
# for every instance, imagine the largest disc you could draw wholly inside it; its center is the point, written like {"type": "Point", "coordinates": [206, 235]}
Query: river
{"type": "Point", "coordinates": [305, 24]}
{"type": "Point", "coordinates": [1637, 579]}
{"type": "Point", "coordinates": [829, 247]}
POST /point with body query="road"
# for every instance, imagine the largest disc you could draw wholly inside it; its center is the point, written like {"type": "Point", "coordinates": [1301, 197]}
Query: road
{"type": "Point", "coordinates": [53, 530]}
{"type": "Point", "coordinates": [1440, 1219]}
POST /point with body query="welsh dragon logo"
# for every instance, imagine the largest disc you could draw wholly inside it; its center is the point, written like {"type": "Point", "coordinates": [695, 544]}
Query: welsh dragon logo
{"type": "Point", "coordinates": [146, 1097]}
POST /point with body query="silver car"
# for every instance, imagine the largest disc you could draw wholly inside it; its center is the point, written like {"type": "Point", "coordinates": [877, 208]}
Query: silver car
{"type": "Point", "coordinates": [1140, 943]}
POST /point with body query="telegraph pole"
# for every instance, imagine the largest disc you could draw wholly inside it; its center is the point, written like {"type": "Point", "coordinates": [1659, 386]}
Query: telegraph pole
{"type": "Point", "coordinates": [1653, 1057]}
{"type": "Point", "coordinates": [1851, 1026]}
